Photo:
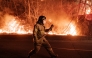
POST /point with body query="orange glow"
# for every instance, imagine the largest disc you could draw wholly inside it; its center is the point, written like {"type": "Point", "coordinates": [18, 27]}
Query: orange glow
{"type": "Point", "coordinates": [88, 11]}
{"type": "Point", "coordinates": [50, 20]}
{"type": "Point", "coordinates": [88, 8]}
{"type": "Point", "coordinates": [52, 33]}
{"type": "Point", "coordinates": [72, 30]}
{"type": "Point", "coordinates": [42, 0]}
{"type": "Point", "coordinates": [13, 25]}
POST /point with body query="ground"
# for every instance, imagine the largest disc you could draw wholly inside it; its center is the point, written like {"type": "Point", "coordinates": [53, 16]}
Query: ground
{"type": "Point", "coordinates": [18, 46]}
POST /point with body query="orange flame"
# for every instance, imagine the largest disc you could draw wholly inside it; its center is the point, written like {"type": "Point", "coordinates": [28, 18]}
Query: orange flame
{"type": "Point", "coordinates": [88, 11]}
{"type": "Point", "coordinates": [13, 25]}
{"type": "Point", "coordinates": [88, 8]}
{"type": "Point", "coordinates": [71, 31]}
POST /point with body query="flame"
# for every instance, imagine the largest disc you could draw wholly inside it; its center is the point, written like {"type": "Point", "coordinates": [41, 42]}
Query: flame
{"type": "Point", "coordinates": [88, 8]}
{"type": "Point", "coordinates": [70, 31]}
{"type": "Point", "coordinates": [88, 11]}
{"type": "Point", "coordinates": [42, 0]}
{"type": "Point", "coordinates": [13, 26]}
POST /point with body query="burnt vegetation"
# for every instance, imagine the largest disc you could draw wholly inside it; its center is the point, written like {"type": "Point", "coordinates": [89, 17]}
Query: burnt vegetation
{"type": "Point", "coordinates": [58, 10]}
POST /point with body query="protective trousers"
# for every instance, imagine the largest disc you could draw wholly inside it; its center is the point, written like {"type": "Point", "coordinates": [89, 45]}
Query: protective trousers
{"type": "Point", "coordinates": [46, 45]}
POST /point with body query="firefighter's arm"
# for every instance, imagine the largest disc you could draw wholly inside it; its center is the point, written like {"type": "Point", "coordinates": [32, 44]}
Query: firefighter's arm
{"type": "Point", "coordinates": [47, 30]}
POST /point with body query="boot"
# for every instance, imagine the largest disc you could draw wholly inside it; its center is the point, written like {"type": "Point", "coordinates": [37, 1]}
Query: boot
{"type": "Point", "coordinates": [31, 53]}
{"type": "Point", "coordinates": [29, 57]}
{"type": "Point", "coordinates": [55, 56]}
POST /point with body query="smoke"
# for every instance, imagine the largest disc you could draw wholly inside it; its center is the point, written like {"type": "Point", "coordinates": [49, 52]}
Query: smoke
{"type": "Point", "coordinates": [13, 24]}
{"type": "Point", "coordinates": [60, 13]}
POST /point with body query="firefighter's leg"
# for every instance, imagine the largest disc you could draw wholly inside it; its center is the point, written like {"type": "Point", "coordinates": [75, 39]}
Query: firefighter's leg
{"type": "Point", "coordinates": [34, 51]}
{"type": "Point", "coordinates": [48, 47]}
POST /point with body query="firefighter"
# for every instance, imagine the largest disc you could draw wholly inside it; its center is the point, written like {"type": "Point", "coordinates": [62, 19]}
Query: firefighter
{"type": "Point", "coordinates": [39, 38]}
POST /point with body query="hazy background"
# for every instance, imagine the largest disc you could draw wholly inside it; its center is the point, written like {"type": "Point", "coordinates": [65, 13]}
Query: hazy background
{"type": "Point", "coordinates": [61, 13]}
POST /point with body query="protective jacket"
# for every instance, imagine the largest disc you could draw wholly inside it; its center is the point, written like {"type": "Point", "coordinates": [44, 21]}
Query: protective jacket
{"type": "Point", "coordinates": [39, 33]}
{"type": "Point", "coordinates": [40, 40]}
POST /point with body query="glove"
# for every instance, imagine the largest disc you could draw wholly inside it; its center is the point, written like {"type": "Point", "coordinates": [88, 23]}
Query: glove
{"type": "Point", "coordinates": [51, 27]}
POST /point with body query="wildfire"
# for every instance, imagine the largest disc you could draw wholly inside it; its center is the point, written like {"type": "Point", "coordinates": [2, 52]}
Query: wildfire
{"type": "Point", "coordinates": [88, 8]}
{"type": "Point", "coordinates": [13, 26]}
{"type": "Point", "coordinates": [71, 30]}
{"type": "Point", "coordinates": [88, 11]}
